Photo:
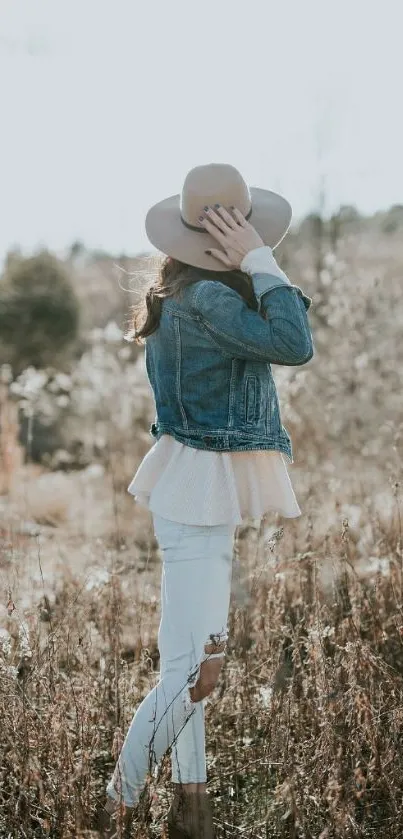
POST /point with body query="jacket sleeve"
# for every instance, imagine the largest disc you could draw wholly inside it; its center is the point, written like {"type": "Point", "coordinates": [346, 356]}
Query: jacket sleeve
{"type": "Point", "coordinates": [278, 333]}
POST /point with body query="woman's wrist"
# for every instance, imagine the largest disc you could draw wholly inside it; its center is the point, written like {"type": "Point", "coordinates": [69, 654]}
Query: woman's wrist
{"type": "Point", "coordinates": [262, 261]}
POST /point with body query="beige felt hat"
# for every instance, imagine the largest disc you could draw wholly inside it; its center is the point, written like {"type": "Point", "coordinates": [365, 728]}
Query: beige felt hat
{"type": "Point", "coordinates": [172, 224]}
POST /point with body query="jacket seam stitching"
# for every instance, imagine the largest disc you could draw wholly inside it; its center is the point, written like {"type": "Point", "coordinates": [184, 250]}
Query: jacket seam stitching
{"type": "Point", "coordinates": [251, 413]}
{"type": "Point", "coordinates": [178, 372]}
{"type": "Point", "coordinates": [232, 392]}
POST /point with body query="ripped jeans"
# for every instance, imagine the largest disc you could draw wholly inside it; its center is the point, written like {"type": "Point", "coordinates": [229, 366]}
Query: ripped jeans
{"type": "Point", "coordinates": [195, 596]}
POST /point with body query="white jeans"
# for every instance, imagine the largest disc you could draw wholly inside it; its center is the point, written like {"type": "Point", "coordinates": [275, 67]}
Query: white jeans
{"type": "Point", "coordinates": [195, 595]}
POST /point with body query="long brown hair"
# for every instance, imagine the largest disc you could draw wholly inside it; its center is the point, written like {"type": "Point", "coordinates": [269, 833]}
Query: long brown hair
{"type": "Point", "coordinates": [172, 278]}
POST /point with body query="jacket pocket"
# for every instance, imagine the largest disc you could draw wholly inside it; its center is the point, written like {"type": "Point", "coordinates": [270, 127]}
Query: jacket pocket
{"type": "Point", "coordinates": [273, 408]}
{"type": "Point", "coordinates": [252, 400]}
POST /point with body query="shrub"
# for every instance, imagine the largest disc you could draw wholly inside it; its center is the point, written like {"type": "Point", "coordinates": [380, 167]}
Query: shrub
{"type": "Point", "coordinates": [39, 311]}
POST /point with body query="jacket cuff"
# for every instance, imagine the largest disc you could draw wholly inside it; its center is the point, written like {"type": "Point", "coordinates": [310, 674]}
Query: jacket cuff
{"type": "Point", "coordinates": [261, 261]}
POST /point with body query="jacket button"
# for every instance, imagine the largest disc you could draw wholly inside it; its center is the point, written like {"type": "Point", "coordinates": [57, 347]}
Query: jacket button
{"type": "Point", "coordinates": [208, 440]}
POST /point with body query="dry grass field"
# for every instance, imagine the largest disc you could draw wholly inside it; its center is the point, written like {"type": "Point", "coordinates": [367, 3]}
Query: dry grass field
{"type": "Point", "coordinates": [305, 727]}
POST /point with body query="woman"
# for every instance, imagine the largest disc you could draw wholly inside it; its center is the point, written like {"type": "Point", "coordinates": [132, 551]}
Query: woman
{"type": "Point", "coordinates": [215, 321]}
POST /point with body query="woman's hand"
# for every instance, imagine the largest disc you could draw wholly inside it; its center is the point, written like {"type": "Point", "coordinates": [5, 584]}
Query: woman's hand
{"type": "Point", "coordinates": [236, 235]}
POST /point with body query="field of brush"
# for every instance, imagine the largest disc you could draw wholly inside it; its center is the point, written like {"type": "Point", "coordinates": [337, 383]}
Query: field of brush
{"type": "Point", "coordinates": [304, 731]}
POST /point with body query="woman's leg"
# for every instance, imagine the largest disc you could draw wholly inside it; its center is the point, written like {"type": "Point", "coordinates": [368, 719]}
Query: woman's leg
{"type": "Point", "coordinates": [188, 759]}
{"type": "Point", "coordinates": [195, 592]}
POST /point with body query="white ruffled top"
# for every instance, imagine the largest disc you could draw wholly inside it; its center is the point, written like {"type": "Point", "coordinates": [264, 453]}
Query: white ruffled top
{"type": "Point", "coordinates": [199, 486]}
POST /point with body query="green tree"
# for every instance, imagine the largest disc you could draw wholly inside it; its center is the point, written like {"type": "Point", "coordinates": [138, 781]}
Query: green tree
{"type": "Point", "coordinates": [39, 312]}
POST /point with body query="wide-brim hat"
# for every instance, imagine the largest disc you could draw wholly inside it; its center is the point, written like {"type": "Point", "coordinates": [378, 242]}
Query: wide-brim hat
{"type": "Point", "coordinates": [172, 224]}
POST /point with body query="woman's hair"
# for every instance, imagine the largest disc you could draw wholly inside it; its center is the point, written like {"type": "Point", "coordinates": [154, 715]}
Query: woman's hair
{"type": "Point", "coordinates": [172, 278]}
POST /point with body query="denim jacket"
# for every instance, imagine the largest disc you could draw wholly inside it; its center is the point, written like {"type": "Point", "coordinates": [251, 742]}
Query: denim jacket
{"type": "Point", "coordinates": [209, 362]}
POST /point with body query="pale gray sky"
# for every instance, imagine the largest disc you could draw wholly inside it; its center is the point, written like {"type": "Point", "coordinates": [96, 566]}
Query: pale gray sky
{"type": "Point", "coordinates": [106, 104]}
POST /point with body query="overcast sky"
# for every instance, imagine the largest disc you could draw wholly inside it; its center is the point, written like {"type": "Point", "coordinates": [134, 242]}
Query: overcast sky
{"type": "Point", "coordinates": [106, 104]}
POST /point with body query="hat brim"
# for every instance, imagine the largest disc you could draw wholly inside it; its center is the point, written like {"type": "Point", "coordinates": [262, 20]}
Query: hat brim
{"type": "Point", "coordinates": [271, 217]}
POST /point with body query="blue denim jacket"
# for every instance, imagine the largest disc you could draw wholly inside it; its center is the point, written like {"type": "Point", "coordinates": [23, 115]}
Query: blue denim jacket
{"type": "Point", "coordinates": [209, 363]}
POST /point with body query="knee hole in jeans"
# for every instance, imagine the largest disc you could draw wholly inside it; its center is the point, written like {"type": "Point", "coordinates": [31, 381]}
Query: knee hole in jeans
{"type": "Point", "coordinates": [213, 649]}
{"type": "Point", "coordinates": [209, 669]}
{"type": "Point", "coordinates": [216, 644]}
